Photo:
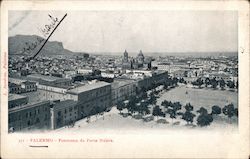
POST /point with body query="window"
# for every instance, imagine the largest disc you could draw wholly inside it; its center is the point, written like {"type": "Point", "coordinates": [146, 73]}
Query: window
{"type": "Point", "coordinates": [37, 120]}
{"type": "Point", "coordinates": [65, 111]}
{"type": "Point", "coordinates": [70, 109]}
{"type": "Point", "coordinates": [59, 113]}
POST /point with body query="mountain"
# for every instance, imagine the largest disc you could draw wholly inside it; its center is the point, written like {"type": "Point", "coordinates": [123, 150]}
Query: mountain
{"type": "Point", "coordinates": [19, 42]}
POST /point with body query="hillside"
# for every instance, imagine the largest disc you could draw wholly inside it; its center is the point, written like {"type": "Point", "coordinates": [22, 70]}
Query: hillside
{"type": "Point", "coordinates": [19, 42]}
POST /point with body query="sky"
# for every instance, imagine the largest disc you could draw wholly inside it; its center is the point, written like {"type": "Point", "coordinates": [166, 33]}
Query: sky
{"type": "Point", "coordinates": [149, 31]}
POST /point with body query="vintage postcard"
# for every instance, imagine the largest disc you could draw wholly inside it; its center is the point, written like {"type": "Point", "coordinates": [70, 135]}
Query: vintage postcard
{"type": "Point", "coordinates": [125, 79]}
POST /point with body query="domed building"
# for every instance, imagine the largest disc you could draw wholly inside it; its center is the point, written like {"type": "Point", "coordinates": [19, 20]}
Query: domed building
{"type": "Point", "coordinates": [140, 58]}
{"type": "Point", "coordinates": [135, 63]}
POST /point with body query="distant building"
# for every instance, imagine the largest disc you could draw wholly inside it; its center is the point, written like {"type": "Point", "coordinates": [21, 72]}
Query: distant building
{"type": "Point", "coordinates": [126, 64]}
{"type": "Point", "coordinates": [56, 81]}
{"type": "Point", "coordinates": [140, 58]}
{"type": "Point", "coordinates": [91, 98]}
{"type": "Point", "coordinates": [15, 88]}
{"type": "Point", "coordinates": [157, 78]}
{"type": "Point", "coordinates": [63, 113]}
{"type": "Point", "coordinates": [30, 116]}
{"type": "Point", "coordinates": [52, 92]}
{"type": "Point", "coordinates": [219, 76]}
{"type": "Point", "coordinates": [21, 86]}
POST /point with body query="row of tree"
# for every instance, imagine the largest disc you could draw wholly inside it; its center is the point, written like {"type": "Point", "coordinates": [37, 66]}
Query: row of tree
{"type": "Point", "coordinates": [173, 110]}
{"type": "Point", "coordinates": [214, 83]}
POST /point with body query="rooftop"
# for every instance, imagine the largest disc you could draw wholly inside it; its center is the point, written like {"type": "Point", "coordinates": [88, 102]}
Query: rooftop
{"type": "Point", "coordinates": [15, 97]}
{"type": "Point", "coordinates": [43, 77]}
{"type": "Point", "coordinates": [16, 80]}
{"type": "Point", "coordinates": [28, 106]}
{"type": "Point", "coordinates": [88, 87]}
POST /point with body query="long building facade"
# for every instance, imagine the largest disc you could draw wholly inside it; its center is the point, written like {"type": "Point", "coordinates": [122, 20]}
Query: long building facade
{"type": "Point", "coordinates": [30, 116]}
{"type": "Point", "coordinates": [92, 98]}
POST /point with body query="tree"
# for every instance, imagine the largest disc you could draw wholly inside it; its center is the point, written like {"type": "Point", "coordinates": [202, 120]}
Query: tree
{"type": "Point", "coordinates": [202, 110]}
{"type": "Point", "coordinates": [230, 84]}
{"type": "Point", "coordinates": [207, 82]}
{"type": "Point", "coordinates": [175, 81]}
{"type": "Point", "coordinates": [199, 82]}
{"type": "Point", "coordinates": [120, 106]}
{"type": "Point", "coordinates": [188, 116]}
{"type": "Point", "coordinates": [172, 113]}
{"type": "Point", "coordinates": [157, 111]}
{"type": "Point", "coordinates": [228, 110]}
{"type": "Point", "coordinates": [189, 107]}
{"type": "Point", "coordinates": [216, 110]}
{"type": "Point", "coordinates": [144, 108]}
{"type": "Point", "coordinates": [204, 120]}
{"type": "Point", "coordinates": [176, 106]}
{"type": "Point", "coordinates": [222, 84]}
{"type": "Point", "coordinates": [152, 99]}
{"type": "Point", "coordinates": [214, 83]}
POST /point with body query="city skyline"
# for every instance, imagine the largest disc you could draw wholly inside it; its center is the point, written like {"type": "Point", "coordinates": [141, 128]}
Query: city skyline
{"type": "Point", "coordinates": [185, 31]}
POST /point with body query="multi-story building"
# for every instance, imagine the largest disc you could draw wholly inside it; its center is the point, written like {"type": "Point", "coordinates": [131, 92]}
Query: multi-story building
{"type": "Point", "coordinates": [157, 78]}
{"type": "Point", "coordinates": [21, 86]}
{"type": "Point", "coordinates": [63, 113]}
{"type": "Point", "coordinates": [30, 116]}
{"type": "Point", "coordinates": [15, 88]}
{"type": "Point", "coordinates": [122, 89]}
{"type": "Point", "coordinates": [56, 81]}
{"type": "Point", "coordinates": [51, 92]}
{"type": "Point", "coordinates": [15, 100]}
{"type": "Point", "coordinates": [91, 98]}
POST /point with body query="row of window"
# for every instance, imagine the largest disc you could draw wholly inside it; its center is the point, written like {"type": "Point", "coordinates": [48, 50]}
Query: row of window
{"type": "Point", "coordinates": [16, 117]}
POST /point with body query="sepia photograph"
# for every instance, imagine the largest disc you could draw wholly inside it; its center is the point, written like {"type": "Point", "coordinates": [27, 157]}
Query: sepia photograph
{"type": "Point", "coordinates": [121, 72]}
{"type": "Point", "coordinates": [171, 70]}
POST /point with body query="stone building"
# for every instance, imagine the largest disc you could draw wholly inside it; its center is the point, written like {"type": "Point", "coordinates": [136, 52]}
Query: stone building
{"type": "Point", "coordinates": [63, 113]}
{"type": "Point", "coordinates": [122, 89]}
{"type": "Point", "coordinates": [21, 86]}
{"type": "Point", "coordinates": [91, 98]}
{"type": "Point", "coordinates": [15, 100]}
{"type": "Point", "coordinates": [56, 81]}
{"type": "Point", "coordinates": [29, 116]}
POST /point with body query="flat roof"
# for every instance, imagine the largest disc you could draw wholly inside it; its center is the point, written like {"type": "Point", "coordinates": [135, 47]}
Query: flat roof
{"type": "Point", "coordinates": [28, 106]}
{"type": "Point", "coordinates": [15, 97]}
{"type": "Point", "coordinates": [88, 87]}
{"type": "Point", "coordinates": [16, 80]}
{"type": "Point", "coordinates": [43, 77]}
